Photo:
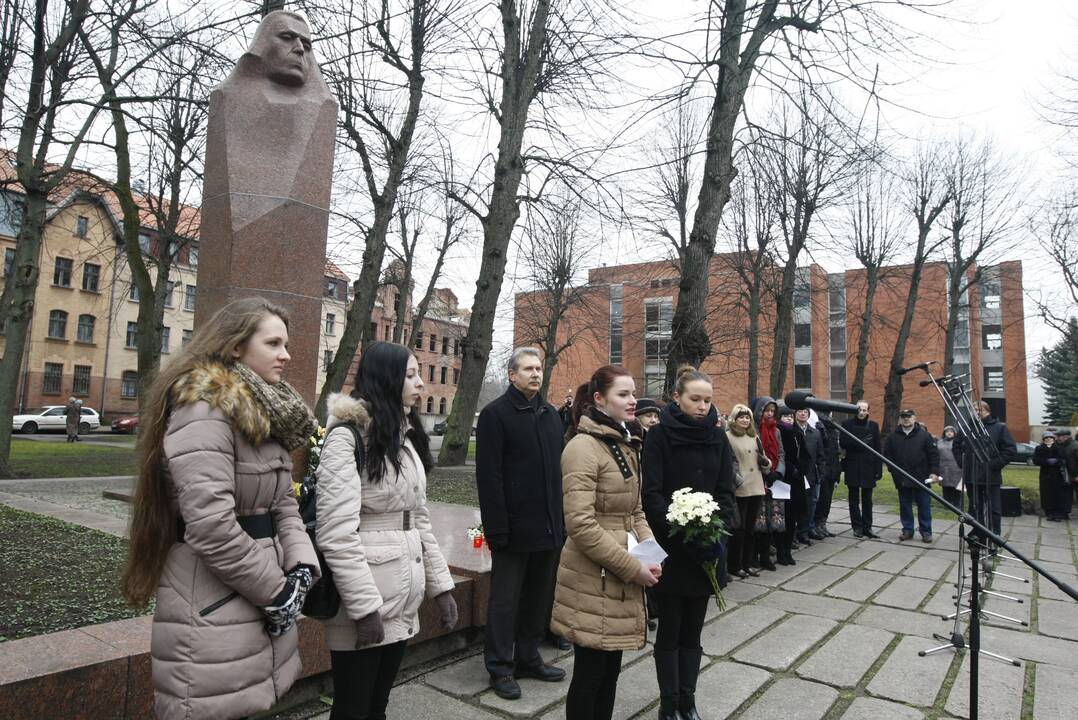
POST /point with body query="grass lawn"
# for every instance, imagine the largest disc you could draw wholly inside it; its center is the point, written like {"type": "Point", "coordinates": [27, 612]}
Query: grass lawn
{"type": "Point", "coordinates": [34, 459]}
{"type": "Point", "coordinates": [57, 576]}
{"type": "Point", "coordinates": [1024, 477]}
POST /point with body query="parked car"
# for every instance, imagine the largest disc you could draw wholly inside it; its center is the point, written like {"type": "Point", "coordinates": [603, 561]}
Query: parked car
{"type": "Point", "coordinates": [1024, 454]}
{"type": "Point", "coordinates": [126, 425]}
{"type": "Point", "coordinates": [439, 428]}
{"type": "Point", "coordinates": [51, 417]}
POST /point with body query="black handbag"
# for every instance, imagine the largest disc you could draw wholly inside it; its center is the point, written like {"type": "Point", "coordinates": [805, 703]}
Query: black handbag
{"type": "Point", "coordinates": [323, 600]}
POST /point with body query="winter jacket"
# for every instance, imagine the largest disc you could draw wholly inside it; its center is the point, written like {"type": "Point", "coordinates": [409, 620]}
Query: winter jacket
{"type": "Point", "coordinates": [378, 565]}
{"type": "Point", "coordinates": [682, 452]}
{"type": "Point", "coordinates": [211, 656]}
{"type": "Point", "coordinates": [949, 467]}
{"type": "Point", "coordinates": [747, 457]}
{"type": "Point", "coordinates": [758, 406]}
{"type": "Point", "coordinates": [1051, 473]}
{"type": "Point", "coordinates": [1068, 451]}
{"type": "Point", "coordinates": [815, 467]}
{"type": "Point", "coordinates": [999, 437]}
{"type": "Point", "coordinates": [518, 444]}
{"type": "Point", "coordinates": [72, 417]}
{"type": "Point", "coordinates": [832, 452]}
{"type": "Point", "coordinates": [596, 602]}
{"type": "Point", "coordinates": [862, 468]}
{"type": "Point", "coordinates": [915, 452]}
{"type": "Point", "coordinates": [797, 459]}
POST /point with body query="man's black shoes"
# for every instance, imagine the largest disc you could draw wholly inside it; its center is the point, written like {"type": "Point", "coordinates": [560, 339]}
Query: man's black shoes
{"type": "Point", "coordinates": [505, 687]}
{"type": "Point", "coordinates": [546, 673]}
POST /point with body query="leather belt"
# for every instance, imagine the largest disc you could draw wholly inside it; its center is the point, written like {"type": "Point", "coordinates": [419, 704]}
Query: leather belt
{"type": "Point", "coordinates": [257, 526]}
{"type": "Point", "coordinates": [386, 521]}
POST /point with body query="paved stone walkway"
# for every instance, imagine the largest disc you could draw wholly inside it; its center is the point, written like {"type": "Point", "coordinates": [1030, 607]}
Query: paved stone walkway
{"type": "Point", "coordinates": [836, 637]}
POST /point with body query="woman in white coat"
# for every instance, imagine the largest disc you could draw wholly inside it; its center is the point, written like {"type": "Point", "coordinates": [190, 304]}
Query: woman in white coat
{"type": "Point", "coordinates": [374, 529]}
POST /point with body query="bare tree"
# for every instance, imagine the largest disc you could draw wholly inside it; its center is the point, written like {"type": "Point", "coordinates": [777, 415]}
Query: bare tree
{"type": "Point", "coordinates": [874, 240]}
{"type": "Point", "coordinates": [453, 232]}
{"type": "Point", "coordinates": [11, 26]}
{"type": "Point", "coordinates": [1058, 235]}
{"type": "Point", "coordinates": [927, 196]}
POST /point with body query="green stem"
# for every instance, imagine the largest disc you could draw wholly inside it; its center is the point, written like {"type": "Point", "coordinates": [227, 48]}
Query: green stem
{"type": "Point", "coordinates": [711, 568]}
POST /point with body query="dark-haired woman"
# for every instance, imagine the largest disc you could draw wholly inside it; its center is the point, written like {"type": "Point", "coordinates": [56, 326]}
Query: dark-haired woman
{"type": "Point", "coordinates": [686, 449]}
{"type": "Point", "coordinates": [765, 412]}
{"type": "Point", "coordinates": [375, 532]}
{"type": "Point", "coordinates": [215, 532]}
{"type": "Point", "coordinates": [599, 600]}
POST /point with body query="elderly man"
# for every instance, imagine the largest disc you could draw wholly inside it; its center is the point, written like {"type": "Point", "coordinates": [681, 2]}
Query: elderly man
{"type": "Point", "coordinates": [518, 444]}
{"type": "Point", "coordinates": [862, 469]}
{"type": "Point", "coordinates": [987, 508]}
{"type": "Point", "coordinates": [913, 449]}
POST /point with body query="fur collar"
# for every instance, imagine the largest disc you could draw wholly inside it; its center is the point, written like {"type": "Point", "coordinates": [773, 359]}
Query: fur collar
{"type": "Point", "coordinates": [346, 408]}
{"type": "Point", "coordinates": [223, 389]}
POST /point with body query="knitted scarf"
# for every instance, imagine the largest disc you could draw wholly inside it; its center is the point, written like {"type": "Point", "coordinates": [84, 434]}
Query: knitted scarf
{"type": "Point", "coordinates": [291, 421]}
{"type": "Point", "coordinates": [769, 436]}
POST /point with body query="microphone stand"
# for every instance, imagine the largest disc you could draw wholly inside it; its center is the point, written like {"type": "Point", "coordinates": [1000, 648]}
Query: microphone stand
{"type": "Point", "coordinates": [977, 528]}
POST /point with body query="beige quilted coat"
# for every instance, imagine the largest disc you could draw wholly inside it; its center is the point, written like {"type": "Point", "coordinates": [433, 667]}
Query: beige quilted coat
{"type": "Point", "coordinates": [377, 565]}
{"type": "Point", "coordinates": [747, 455]}
{"type": "Point", "coordinates": [596, 604]}
{"type": "Point", "coordinates": [218, 662]}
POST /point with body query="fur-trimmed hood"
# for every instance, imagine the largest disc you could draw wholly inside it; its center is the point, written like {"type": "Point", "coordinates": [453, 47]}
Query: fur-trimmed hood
{"type": "Point", "coordinates": [345, 408]}
{"type": "Point", "coordinates": [223, 389]}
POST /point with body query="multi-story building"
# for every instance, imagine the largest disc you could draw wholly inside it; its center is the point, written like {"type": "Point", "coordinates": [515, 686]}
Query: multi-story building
{"type": "Point", "coordinates": [625, 316]}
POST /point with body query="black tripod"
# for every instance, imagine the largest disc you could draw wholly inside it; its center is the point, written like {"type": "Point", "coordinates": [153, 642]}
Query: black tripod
{"type": "Point", "coordinates": [976, 538]}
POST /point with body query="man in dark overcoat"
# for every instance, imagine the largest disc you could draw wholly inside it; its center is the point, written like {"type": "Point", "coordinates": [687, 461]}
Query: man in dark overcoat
{"type": "Point", "coordinates": [913, 449]}
{"type": "Point", "coordinates": [985, 496]}
{"type": "Point", "coordinates": [862, 469]}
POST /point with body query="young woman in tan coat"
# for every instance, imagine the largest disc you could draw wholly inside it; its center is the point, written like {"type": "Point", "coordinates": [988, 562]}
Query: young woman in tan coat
{"type": "Point", "coordinates": [599, 599]}
{"type": "Point", "coordinates": [374, 529]}
{"type": "Point", "coordinates": [215, 532]}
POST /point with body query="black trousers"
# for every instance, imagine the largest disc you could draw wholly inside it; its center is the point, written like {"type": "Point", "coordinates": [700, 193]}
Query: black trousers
{"type": "Point", "coordinates": [518, 613]}
{"type": "Point", "coordinates": [988, 508]}
{"type": "Point", "coordinates": [741, 551]}
{"type": "Point", "coordinates": [677, 648]}
{"type": "Point", "coordinates": [860, 508]}
{"type": "Point", "coordinates": [953, 495]}
{"type": "Point", "coordinates": [594, 684]}
{"type": "Point", "coordinates": [362, 680]}
{"type": "Point", "coordinates": [823, 505]}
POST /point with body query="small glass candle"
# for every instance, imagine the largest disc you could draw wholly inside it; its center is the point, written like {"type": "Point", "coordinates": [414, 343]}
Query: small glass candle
{"type": "Point", "coordinates": [477, 541]}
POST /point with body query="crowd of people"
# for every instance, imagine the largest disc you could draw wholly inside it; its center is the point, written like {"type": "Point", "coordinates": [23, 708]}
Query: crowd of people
{"type": "Point", "coordinates": [217, 538]}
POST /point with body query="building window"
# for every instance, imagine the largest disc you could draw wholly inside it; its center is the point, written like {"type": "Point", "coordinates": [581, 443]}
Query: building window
{"type": "Point", "coordinates": [185, 339]}
{"type": "Point", "coordinates": [170, 289]}
{"type": "Point", "coordinates": [327, 360]}
{"type": "Point", "coordinates": [456, 375]}
{"type": "Point", "coordinates": [192, 257]}
{"type": "Point", "coordinates": [50, 382]}
{"type": "Point", "coordinates": [802, 335]}
{"type": "Point", "coordinates": [838, 382]}
{"type": "Point", "coordinates": [441, 406]}
{"type": "Point", "coordinates": [144, 243]}
{"type": "Point", "coordinates": [803, 376]}
{"type": "Point", "coordinates": [838, 339]}
{"type": "Point", "coordinates": [993, 379]}
{"type": "Point", "coordinates": [990, 294]}
{"type": "Point", "coordinates": [992, 337]}
{"type": "Point", "coordinates": [133, 293]}
{"type": "Point", "coordinates": [91, 276]}
{"type": "Point", "coordinates": [129, 384]}
{"type": "Point", "coordinates": [961, 330]}
{"type": "Point", "coordinates": [396, 302]}
{"type": "Point", "coordinates": [836, 297]}
{"type": "Point", "coordinates": [658, 325]}
{"type": "Point", "coordinates": [81, 384]}
{"type": "Point", "coordinates": [85, 331]}
{"type": "Point", "coordinates": [57, 324]}
{"type": "Point", "coordinates": [9, 261]}
{"type": "Point", "coordinates": [445, 373]}
{"type": "Point", "coordinates": [132, 334]}
{"type": "Point", "coordinates": [189, 297]}
{"type": "Point", "coordinates": [802, 295]}
{"type": "Point", "coordinates": [419, 340]}
{"type": "Point", "coordinates": [82, 225]}
{"type": "Point", "coordinates": [430, 406]}
{"type": "Point", "coordinates": [433, 342]}
{"type": "Point", "coordinates": [61, 274]}
{"type": "Point", "coordinates": [445, 345]}
{"type": "Point", "coordinates": [961, 371]}
{"type": "Point", "coordinates": [165, 333]}
{"type": "Point", "coordinates": [656, 350]}
{"type": "Point", "coordinates": [456, 346]}
{"type": "Point", "coordinates": [430, 373]}
{"type": "Point", "coordinates": [616, 320]}
{"type": "Point", "coordinates": [653, 384]}
{"type": "Point", "coordinates": [331, 324]}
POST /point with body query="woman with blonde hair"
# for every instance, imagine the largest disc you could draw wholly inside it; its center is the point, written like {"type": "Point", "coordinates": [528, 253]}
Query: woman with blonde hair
{"type": "Point", "coordinates": [215, 532]}
{"type": "Point", "coordinates": [750, 464]}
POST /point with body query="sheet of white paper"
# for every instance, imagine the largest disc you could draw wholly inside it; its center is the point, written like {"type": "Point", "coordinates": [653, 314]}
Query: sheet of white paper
{"type": "Point", "coordinates": [807, 486]}
{"type": "Point", "coordinates": [780, 490]}
{"type": "Point", "coordinates": [649, 552]}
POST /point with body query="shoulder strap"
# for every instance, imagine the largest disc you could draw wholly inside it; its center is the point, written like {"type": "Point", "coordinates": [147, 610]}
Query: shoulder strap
{"type": "Point", "coordinates": [360, 448]}
{"type": "Point", "coordinates": [619, 456]}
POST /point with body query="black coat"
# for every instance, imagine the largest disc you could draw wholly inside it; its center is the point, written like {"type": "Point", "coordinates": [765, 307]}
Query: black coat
{"type": "Point", "coordinates": [815, 467]}
{"type": "Point", "coordinates": [916, 453]}
{"type": "Point", "coordinates": [1056, 498]}
{"type": "Point", "coordinates": [797, 460]}
{"type": "Point", "coordinates": [862, 468]}
{"type": "Point", "coordinates": [518, 446]}
{"type": "Point", "coordinates": [831, 452]}
{"type": "Point", "coordinates": [1000, 437]}
{"type": "Point", "coordinates": [681, 452]}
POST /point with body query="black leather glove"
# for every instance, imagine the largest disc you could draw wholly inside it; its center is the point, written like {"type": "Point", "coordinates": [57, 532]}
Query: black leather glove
{"type": "Point", "coordinates": [447, 610]}
{"type": "Point", "coordinates": [370, 630]}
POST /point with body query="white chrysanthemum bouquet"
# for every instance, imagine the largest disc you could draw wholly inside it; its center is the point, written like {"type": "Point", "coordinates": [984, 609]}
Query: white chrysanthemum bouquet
{"type": "Point", "coordinates": [695, 516]}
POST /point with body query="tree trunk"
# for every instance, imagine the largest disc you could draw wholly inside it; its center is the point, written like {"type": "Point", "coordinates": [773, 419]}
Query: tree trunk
{"type": "Point", "coordinates": [893, 391]}
{"type": "Point", "coordinates": [550, 341]}
{"type": "Point", "coordinates": [784, 312]}
{"type": "Point", "coordinates": [857, 389]}
{"type": "Point", "coordinates": [19, 306]}
{"type": "Point", "coordinates": [754, 341]}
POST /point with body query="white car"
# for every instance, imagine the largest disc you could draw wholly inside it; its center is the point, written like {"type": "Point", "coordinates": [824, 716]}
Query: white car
{"type": "Point", "coordinates": [51, 417]}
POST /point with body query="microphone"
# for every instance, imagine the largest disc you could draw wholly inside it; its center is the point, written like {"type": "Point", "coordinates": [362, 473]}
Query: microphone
{"type": "Point", "coordinates": [802, 400]}
{"type": "Point", "coordinates": [920, 366]}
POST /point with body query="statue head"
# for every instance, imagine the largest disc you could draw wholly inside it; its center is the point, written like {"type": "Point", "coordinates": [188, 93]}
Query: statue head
{"type": "Point", "coordinates": [283, 44]}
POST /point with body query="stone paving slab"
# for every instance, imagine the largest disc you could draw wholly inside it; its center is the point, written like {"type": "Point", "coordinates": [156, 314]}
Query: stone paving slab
{"type": "Point", "coordinates": [784, 644]}
{"type": "Point", "coordinates": [856, 556]}
{"type": "Point", "coordinates": [1047, 589]}
{"type": "Point", "coordinates": [724, 686]}
{"type": "Point", "coordinates": [1056, 554]}
{"type": "Point", "coordinates": [536, 695]}
{"type": "Point", "coordinates": [810, 604]}
{"type": "Point", "coordinates": [737, 627]}
{"type": "Point", "coordinates": [774, 578]}
{"type": "Point", "coordinates": [1056, 536]}
{"type": "Point", "coordinates": [859, 586]}
{"type": "Point", "coordinates": [866, 708]}
{"type": "Point", "coordinates": [905, 592]}
{"type": "Point", "coordinates": [846, 657]}
{"type": "Point", "coordinates": [1011, 587]}
{"type": "Point", "coordinates": [464, 678]}
{"type": "Point", "coordinates": [893, 561]}
{"type": "Point", "coordinates": [930, 567]}
{"type": "Point", "coordinates": [1058, 618]}
{"type": "Point", "coordinates": [1025, 645]}
{"type": "Point", "coordinates": [942, 601]}
{"type": "Point", "coordinates": [910, 679]}
{"type": "Point", "coordinates": [415, 701]}
{"type": "Point", "coordinates": [902, 621]}
{"type": "Point", "coordinates": [791, 699]}
{"type": "Point", "coordinates": [999, 690]}
{"type": "Point", "coordinates": [1056, 694]}
{"type": "Point", "coordinates": [816, 579]}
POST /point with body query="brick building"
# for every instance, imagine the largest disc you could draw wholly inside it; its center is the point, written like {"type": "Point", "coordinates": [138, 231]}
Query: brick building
{"type": "Point", "coordinates": [625, 313]}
